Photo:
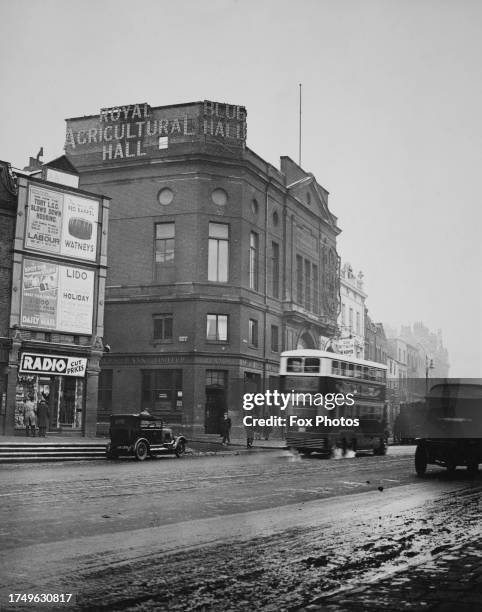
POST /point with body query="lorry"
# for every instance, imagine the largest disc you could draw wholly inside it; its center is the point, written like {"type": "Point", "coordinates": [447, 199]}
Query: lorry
{"type": "Point", "coordinates": [448, 431]}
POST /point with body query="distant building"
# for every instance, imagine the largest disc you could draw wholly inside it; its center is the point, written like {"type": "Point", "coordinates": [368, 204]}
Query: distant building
{"type": "Point", "coordinates": [217, 260]}
{"type": "Point", "coordinates": [53, 250]}
{"type": "Point", "coordinates": [351, 320]}
{"type": "Point", "coordinates": [375, 340]}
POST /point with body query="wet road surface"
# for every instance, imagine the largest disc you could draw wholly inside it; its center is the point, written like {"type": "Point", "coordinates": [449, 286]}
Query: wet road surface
{"type": "Point", "coordinates": [266, 531]}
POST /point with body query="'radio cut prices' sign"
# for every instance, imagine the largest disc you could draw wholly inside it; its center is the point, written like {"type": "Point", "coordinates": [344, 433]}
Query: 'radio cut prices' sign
{"type": "Point", "coordinates": [61, 223]}
{"type": "Point", "coordinates": [57, 297]}
{"type": "Point", "coordinates": [57, 365]}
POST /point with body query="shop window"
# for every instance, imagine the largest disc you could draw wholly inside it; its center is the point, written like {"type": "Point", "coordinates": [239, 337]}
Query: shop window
{"type": "Point", "coordinates": [162, 327]}
{"type": "Point", "coordinates": [217, 327]}
{"type": "Point", "coordinates": [218, 252]}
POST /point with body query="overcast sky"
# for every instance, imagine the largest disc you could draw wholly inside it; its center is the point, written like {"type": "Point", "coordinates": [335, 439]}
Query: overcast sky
{"type": "Point", "coordinates": [391, 118]}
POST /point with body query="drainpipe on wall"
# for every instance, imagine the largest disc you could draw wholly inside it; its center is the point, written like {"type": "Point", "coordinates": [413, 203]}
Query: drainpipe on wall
{"type": "Point", "coordinates": [265, 314]}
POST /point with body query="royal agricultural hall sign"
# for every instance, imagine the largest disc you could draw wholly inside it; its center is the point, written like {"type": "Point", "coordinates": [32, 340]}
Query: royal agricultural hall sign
{"type": "Point", "coordinates": [137, 131]}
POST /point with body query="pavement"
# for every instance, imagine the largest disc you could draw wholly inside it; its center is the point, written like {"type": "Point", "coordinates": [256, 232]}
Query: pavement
{"type": "Point", "coordinates": [450, 581]}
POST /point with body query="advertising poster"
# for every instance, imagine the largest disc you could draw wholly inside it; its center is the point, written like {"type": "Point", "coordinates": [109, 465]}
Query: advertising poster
{"type": "Point", "coordinates": [44, 220]}
{"type": "Point", "coordinates": [57, 297]}
{"type": "Point", "coordinates": [61, 223]}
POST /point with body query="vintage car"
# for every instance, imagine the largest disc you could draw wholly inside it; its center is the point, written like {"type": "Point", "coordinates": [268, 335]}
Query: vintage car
{"type": "Point", "coordinates": [142, 435]}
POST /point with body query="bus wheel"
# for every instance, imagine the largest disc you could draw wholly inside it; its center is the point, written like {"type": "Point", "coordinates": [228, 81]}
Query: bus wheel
{"type": "Point", "coordinates": [451, 466]}
{"type": "Point", "coordinates": [381, 449]}
{"type": "Point", "coordinates": [306, 452]}
{"type": "Point", "coordinates": [420, 460]}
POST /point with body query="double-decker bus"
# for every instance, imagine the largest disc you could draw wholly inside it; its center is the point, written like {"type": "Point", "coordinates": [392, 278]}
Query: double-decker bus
{"type": "Point", "coordinates": [348, 393]}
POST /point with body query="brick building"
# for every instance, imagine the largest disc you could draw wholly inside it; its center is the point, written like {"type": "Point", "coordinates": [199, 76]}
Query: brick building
{"type": "Point", "coordinates": [217, 260]}
{"type": "Point", "coordinates": [53, 262]}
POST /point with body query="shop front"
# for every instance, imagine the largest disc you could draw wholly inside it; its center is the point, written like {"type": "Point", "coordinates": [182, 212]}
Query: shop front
{"type": "Point", "coordinates": [60, 381]}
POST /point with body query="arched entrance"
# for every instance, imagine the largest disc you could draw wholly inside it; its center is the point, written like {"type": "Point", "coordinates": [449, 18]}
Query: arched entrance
{"type": "Point", "coordinates": [306, 341]}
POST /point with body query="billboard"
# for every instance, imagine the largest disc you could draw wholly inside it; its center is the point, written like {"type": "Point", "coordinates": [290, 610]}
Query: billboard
{"type": "Point", "coordinates": [61, 223]}
{"type": "Point", "coordinates": [58, 365]}
{"type": "Point", "coordinates": [57, 297]}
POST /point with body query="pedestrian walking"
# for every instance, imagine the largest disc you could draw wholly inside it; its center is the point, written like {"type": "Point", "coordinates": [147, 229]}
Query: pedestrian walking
{"type": "Point", "coordinates": [29, 416]}
{"type": "Point", "coordinates": [43, 418]}
{"type": "Point", "coordinates": [249, 435]}
{"type": "Point", "coordinates": [226, 429]}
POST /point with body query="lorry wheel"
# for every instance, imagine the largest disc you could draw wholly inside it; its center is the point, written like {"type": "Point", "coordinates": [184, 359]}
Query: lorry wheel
{"type": "Point", "coordinates": [420, 460]}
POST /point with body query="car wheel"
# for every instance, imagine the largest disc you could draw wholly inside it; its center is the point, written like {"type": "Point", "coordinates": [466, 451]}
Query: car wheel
{"type": "Point", "coordinates": [142, 450]}
{"type": "Point", "coordinates": [420, 460]}
{"type": "Point", "coordinates": [180, 448]}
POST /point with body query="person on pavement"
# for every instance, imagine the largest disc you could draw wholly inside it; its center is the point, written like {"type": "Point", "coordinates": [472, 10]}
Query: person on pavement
{"type": "Point", "coordinates": [43, 418]}
{"type": "Point", "coordinates": [29, 416]}
{"type": "Point", "coordinates": [226, 429]}
{"type": "Point", "coordinates": [249, 435]}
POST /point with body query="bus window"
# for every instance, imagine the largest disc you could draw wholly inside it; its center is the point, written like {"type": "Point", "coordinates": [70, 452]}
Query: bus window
{"type": "Point", "coordinates": [294, 365]}
{"type": "Point", "coordinates": [334, 367]}
{"type": "Point", "coordinates": [365, 372]}
{"type": "Point", "coordinates": [312, 364]}
{"type": "Point", "coordinates": [343, 368]}
{"type": "Point", "coordinates": [358, 372]}
{"type": "Point", "coordinates": [351, 370]}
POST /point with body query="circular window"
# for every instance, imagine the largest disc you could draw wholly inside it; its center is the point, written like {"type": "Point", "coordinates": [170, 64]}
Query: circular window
{"type": "Point", "coordinates": [165, 196]}
{"type": "Point", "coordinates": [219, 197]}
{"type": "Point", "coordinates": [275, 218]}
{"type": "Point", "coordinates": [254, 207]}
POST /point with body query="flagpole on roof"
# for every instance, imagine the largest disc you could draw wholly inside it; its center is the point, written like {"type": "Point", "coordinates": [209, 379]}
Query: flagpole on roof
{"type": "Point", "coordinates": [299, 145]}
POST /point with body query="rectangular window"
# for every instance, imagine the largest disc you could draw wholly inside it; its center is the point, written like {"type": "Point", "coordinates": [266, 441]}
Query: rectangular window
{"type": "Point", "coordinates": [253, 260]}
{"type": "Point", "coordinates": [275, 269]}
{"type": "Point", "coordinates": [217, 327]}
{"type": "Point", "coordinates": [162, 327]}
{"type": "Point", "coordinates": [357, 322]}
{"type": "Point", "coordinates": [350, 319]}
{"type": "Point", "coordinates": [164, 250]}
{"type": "Point", "coordinates": [274, 338]}
{"type": "Point", "coordinates": [316, 293]}
{"type": "Point", "coordinates": [253, 332]}
{"type": "Point", "coordinates": [307, 285]}
{"type": "Point", "coordinates": [299, 279]}
{"type": "Point", "coordinates": [343, 314]}
{"type": "Point", "coordinates": [218, 252]}
{"type": "Point", "coordinates": [162, 394]}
